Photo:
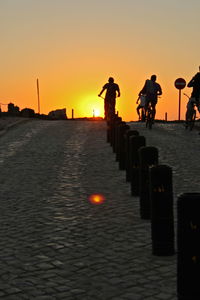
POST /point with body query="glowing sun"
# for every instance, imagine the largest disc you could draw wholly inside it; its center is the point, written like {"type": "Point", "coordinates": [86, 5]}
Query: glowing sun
{"type": "Point", "coordinates": [96, 112]}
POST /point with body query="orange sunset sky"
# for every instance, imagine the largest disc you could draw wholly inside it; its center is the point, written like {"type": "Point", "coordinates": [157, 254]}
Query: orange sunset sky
{"type": "Point", "coordinates": [72, 47]}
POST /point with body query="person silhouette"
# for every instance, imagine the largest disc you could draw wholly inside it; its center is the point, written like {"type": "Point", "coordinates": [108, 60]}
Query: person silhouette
{"type": "Point", "coordinates": [151, 89]}
{"type": "Point", "coordinates": [112, 91]}
{"type": "Point", "coordinates": [195, 84]}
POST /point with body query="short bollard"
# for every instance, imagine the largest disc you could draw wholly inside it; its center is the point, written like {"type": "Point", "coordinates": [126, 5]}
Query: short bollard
{"type": "Point", "coordinates": [188, 244]}
{"type": "Point", "coordinates": [120, 155]}
{"type": "Point", "coordinates": [115, 145]}
{"type": "Point", "coordinates": [108, 132]}
{"type": "Point", "coordinates": [135, 143]}
{"type": "Point", "coordinates": [120, 130]}
{"type": "Point", "coordinates": [128, 134]}
{"type": "Point", "coordinates": [113, 125]}
{"type": "Point", "coordinates": [162, 219]}
{"type": "Point", "coordinates": [148, 156]}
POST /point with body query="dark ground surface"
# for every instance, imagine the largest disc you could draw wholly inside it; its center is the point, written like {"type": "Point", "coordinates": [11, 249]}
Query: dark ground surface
{"type": "Point", "coordinates": [54, 244]}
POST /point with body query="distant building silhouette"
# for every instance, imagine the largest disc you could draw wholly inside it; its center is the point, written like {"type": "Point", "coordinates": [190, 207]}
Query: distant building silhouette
{"type": "Point", "coordinates": [27, 113]}
{"type": "Point", "coordinates": [13, 110]}
{"type": "Point", "coordinates": [58, 114]}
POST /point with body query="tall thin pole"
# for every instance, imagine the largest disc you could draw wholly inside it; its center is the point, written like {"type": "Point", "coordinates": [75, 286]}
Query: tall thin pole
{"type": "Point", "coordinates": [38, 94]}
{"type": "Point", "coordinates": [179, 105]}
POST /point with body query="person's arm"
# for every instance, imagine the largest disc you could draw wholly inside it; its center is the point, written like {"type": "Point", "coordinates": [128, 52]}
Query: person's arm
{"type": "Point", "coordinates": [159, 90]}
{"type": "Point", "coordinates": [118, 90]}
{"type": "Point", "coordinates": [103, 89]}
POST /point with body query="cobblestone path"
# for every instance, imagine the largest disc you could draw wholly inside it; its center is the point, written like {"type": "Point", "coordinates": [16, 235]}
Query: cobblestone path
{"type": "Point", "coordinates": [54, 244]}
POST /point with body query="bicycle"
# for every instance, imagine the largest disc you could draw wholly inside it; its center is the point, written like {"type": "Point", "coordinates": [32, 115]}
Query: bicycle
{"type": "Point", "coordinates": [191, 112]}
{"type": "Point", "coordinates": [109, 110]}
{"type": "Point", "coordinates": [149, 116]}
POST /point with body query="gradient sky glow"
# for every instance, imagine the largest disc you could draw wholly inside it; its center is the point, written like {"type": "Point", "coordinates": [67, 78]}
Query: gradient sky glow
{"type": "Point", "coordinates": [74, 46]}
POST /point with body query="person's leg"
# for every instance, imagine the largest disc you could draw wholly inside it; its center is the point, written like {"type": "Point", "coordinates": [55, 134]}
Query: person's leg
{"type": "Point", "coordinates": [106, 109]}
{"type": "Point", "coordinates": [197, 99]}
{"type": "Point", "coordinates": [153, 105]}
{"type": "Point", "coordinates": [138, 110]}
{"type": "Point", "coordinates": [112, 110]}
{"type": "Point", "coordinates": [153, 109]}
{"type": "Point", "coordinates": [143, 113]}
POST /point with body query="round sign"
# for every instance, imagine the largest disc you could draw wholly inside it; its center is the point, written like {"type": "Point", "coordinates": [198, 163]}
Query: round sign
{"type": "Point", "coordinates": [180, 83]}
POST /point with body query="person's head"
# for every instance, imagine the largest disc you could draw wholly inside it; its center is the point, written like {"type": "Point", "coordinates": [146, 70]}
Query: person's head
{"type": "Point", "coordinates": [111, 80]}
{"type": "Point", "coordinates": [153, 77]}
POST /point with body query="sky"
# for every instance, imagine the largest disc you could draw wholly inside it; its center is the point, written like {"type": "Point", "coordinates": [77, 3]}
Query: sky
{"type": "Point", "coordinates": [73, 47]}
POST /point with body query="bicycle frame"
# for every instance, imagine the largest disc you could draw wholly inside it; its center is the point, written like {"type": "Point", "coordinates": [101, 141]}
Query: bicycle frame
{"type": "Point", "coordinates": [191, 112]}
{"type": "Point", "coordinates": [190, 117]}
{"type": "Point", "coordinates": [149, 117]}
{"type": "Point", "coordinates": [110, 112]}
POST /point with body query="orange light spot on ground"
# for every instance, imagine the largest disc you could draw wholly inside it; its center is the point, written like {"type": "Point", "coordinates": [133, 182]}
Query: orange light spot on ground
{"type": "Point", "coordinates": [97, 199]}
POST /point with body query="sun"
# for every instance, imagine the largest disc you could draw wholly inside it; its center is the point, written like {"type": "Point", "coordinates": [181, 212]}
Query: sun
{"type": "Point", "coordinates": [96, 112]}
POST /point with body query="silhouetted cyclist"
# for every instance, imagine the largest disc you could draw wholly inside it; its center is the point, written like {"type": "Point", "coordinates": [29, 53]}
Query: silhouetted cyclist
{"type": "Point", "coordinates": [195, 84]}
{"type": "Point", "coordinates": [112, 91]}
{"type": "Point", "coordinates": [151, 89]}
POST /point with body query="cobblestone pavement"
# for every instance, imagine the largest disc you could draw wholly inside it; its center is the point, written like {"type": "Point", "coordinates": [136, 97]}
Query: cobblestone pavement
{"type": "Point", "coordinates": [7, 123]}
{"type": "Point", "coordinates": [54, 244]}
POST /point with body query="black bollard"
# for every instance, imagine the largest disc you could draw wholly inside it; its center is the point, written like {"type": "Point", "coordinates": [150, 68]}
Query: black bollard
{"type": "Point", "coordinates": [120, 130]}
{"type": "Point", "coordinates": [135, 143]}
{"type": "Point", "coordinates": [128, 134]}
{"type": "Point", "coordinates": [162, 220]}
{"type": "Point", "coordinates": [148, 156]}
{"type": "Point", "coordinates": [110, 124]}
{"type": "Point", "coordinates": [121, 154]}
{"type": "Point", "coordinates": [116, 141]}
{"type": "Point", "coordinates": [188, 243]}
{"type": "Point", "coordinates": [114, 124]}
{"type": "Point", "coordinates": [108, 132]}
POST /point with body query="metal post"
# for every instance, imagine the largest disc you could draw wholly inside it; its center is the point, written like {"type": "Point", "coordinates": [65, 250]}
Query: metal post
{"type": "Point", "coordinates": [179, 106]}
{"type": "Point", "coordinates": [72, 113]}
{"type": "Point", "coordinates": [38, 94]}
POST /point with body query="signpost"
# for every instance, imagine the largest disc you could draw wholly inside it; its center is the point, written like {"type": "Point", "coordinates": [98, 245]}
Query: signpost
{"type": "Point", "coordinates": [38, 94]}
{"type": "Point", "coordinates": [179, 83]}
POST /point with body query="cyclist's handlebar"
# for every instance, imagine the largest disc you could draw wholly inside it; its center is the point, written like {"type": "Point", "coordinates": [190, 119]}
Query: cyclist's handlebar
{"type": "Point", "coordinates": [103, 97]}
{"type": "Point", "coordinates": [186, 95]}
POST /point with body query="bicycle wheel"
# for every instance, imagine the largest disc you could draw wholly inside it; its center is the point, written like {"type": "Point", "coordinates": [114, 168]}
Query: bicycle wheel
{"type": "Point", "coordinates": [143, 115]}
{"type": "Point", "coordinates": [149, 120]}
{"type": "Point", "coordinates": [192, 120]}
{"type": "Point", "coordinates": [150, 123]}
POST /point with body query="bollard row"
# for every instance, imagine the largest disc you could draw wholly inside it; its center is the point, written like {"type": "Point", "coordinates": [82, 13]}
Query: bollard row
{"type": "Point", "coordinates": [148, 180]}
{"type": "Point", "coordinates": [153, 184]}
